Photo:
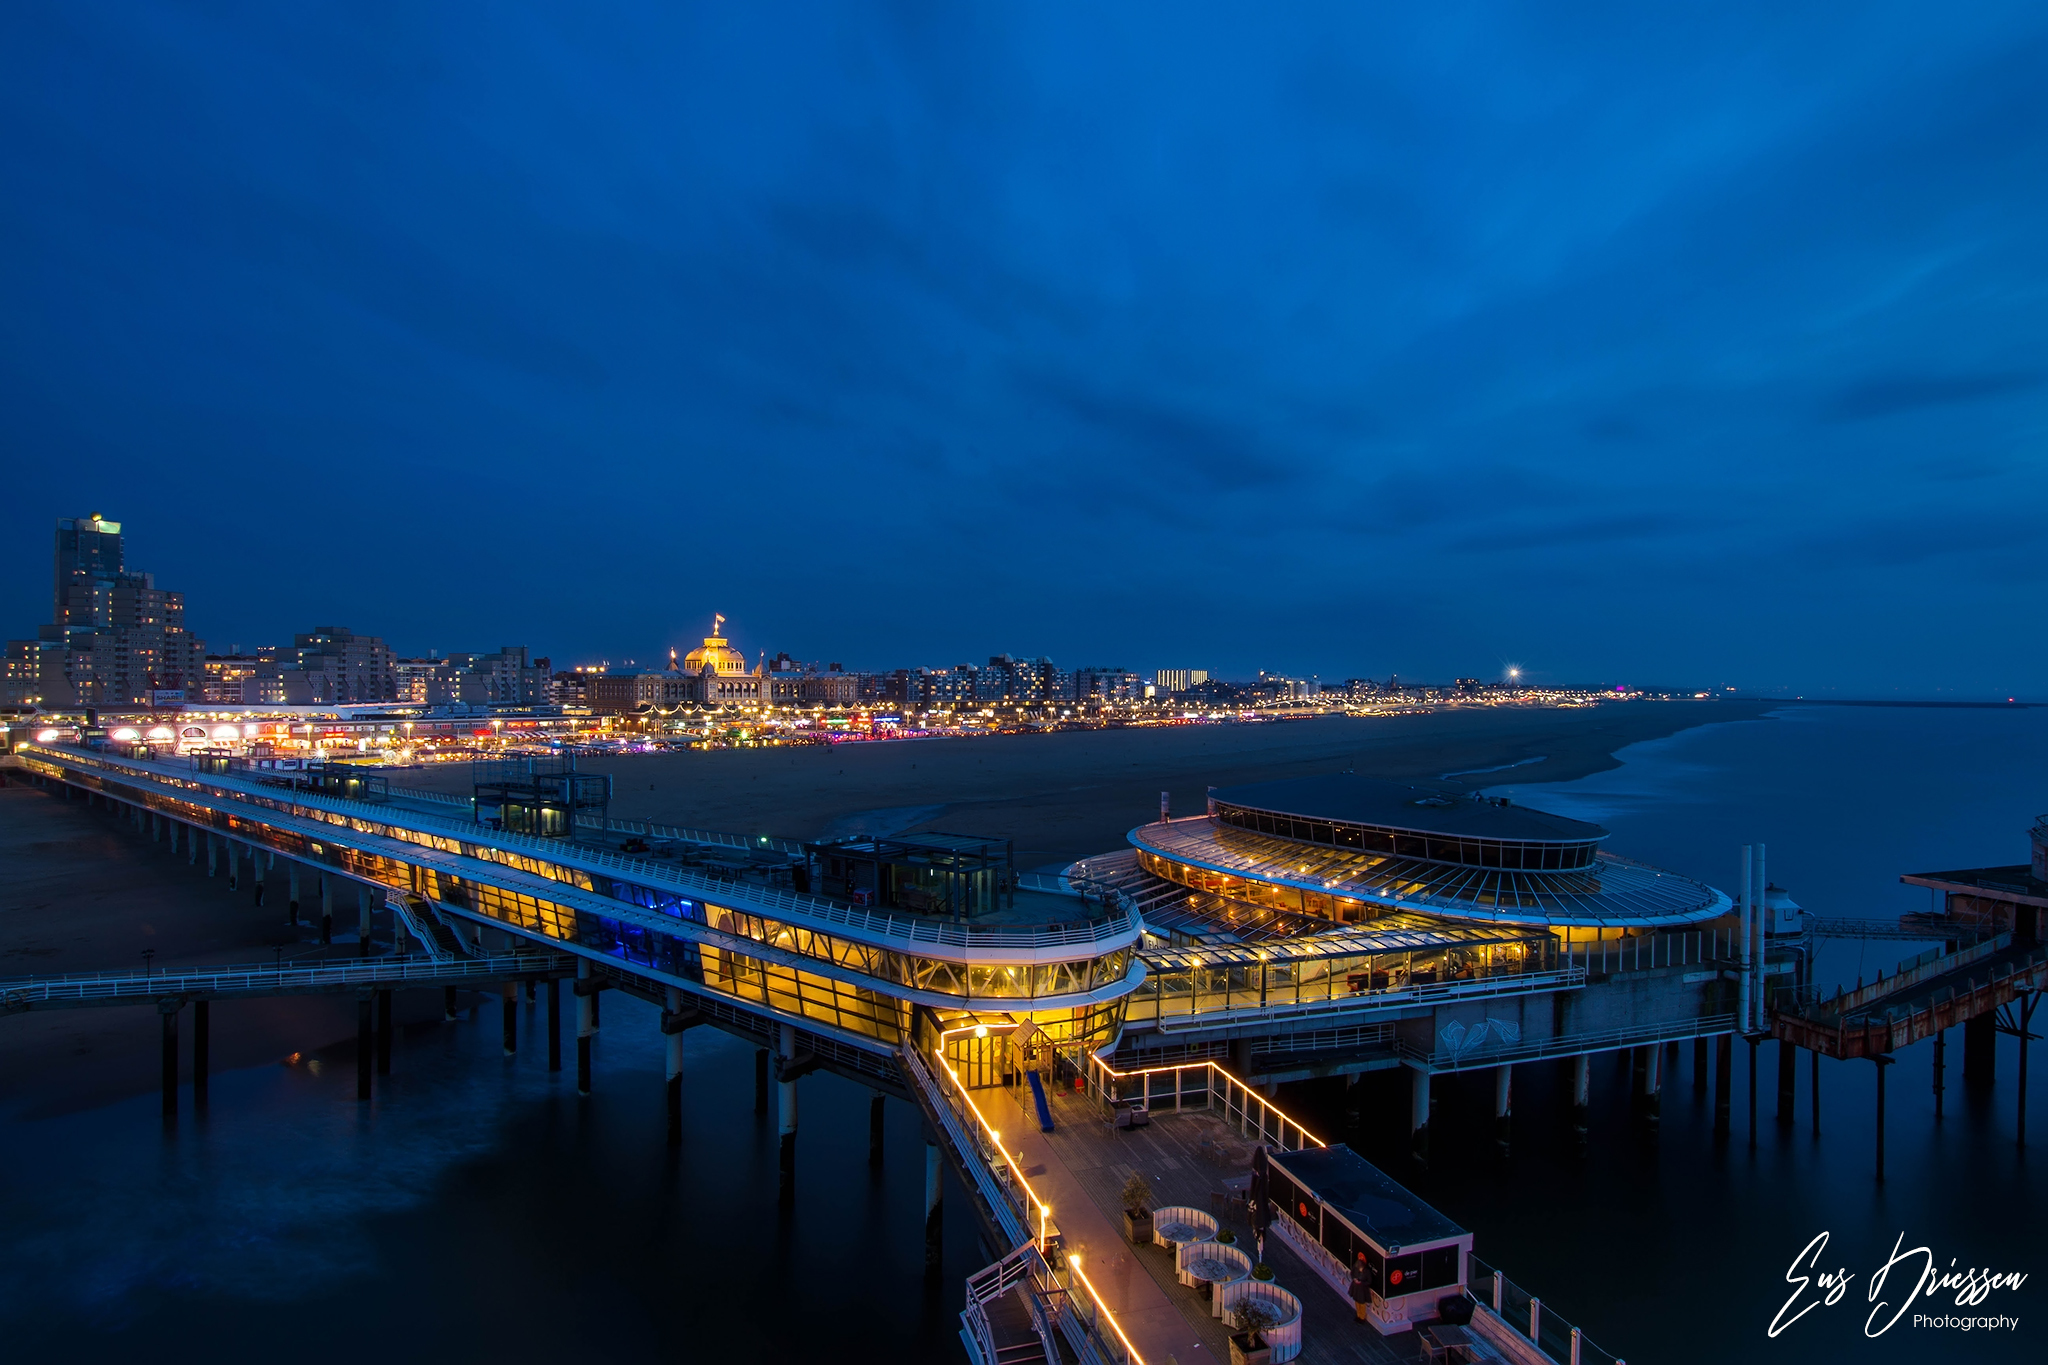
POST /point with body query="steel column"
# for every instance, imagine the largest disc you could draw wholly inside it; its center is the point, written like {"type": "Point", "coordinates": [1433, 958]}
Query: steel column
{"type": "Point", "coordinates": [510, 1009]}
{"type": "Point", "coordinates": [366, 1043]}
{"type": "Point", "coordinates": [585, 1025]}
{"type": "Point", "coordinates": [167, 1010]}
{"type": "Point", "coordinates": [554, 1024]}
{"type": "Point", "coordinates": [201, 1026]}
{"type": "Point", "coordinates": [675, 1071]}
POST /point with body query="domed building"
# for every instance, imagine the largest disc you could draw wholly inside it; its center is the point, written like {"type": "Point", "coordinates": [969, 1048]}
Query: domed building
{"type": "Point", "coordinates": [719, 672]}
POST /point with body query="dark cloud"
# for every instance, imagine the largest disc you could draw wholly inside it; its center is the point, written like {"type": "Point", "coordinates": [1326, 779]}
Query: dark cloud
{"type": "Point", "coordinates": [1889, 395]}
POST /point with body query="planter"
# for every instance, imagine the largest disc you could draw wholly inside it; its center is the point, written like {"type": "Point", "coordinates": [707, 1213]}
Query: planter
{"type": "Point", "coordinates": [1138, 1226]}
{"type": "Point", "coordinates": [1177, 1224]}
{"type": "Point", "coordinates": [1243, 1352]}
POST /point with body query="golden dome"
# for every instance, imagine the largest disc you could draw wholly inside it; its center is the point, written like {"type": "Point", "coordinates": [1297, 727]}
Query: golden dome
{"type": "Point", "coordinates": [715, 653]}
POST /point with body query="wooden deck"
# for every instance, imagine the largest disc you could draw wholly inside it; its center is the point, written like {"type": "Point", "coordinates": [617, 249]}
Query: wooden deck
{"type": "Point", "coordinates": [1186, 1157]}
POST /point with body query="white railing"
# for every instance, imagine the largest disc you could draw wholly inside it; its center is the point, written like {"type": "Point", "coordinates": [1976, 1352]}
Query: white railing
{"type": "Point", "coordinates": [1570, 1044]}
{"type": "Point", "coordinates": [276, 977]}
{"type": "Point", "coordinates": [1504, 983]}
{"type": "Point", "coordinates": [1251, 1113]}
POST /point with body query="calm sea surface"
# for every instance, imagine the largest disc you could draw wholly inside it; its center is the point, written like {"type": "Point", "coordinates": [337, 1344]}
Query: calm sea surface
{"type": "Point", "coordinates": [477, 1209]}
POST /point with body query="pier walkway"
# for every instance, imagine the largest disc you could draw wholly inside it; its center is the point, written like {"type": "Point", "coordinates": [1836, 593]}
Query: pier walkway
{"type": "Point", "coordinates": [251, 980]}
{"type": "Point", "coordinates": [1938, 992]}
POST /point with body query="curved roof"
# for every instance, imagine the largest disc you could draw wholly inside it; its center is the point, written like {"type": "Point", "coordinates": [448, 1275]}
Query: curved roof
{"type": "Point", "coordinates": [1397, 805]}
{"type": "Point", "coordinates": [717, 654]}
{"type": "Point", "coordinates": [1612, 893]}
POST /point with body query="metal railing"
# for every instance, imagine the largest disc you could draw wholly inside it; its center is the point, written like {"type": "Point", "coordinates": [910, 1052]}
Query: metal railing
{"type": "Point", "coordinates": [279, 978]}
{"type": "Point", "coordinates": [1648, 952]}
{"type": "Point", "coordinates": [1504, 1307]}
{"type": "Point", "coordinates": [1112, 931]}
{"type": "Point", "coordinates": [1252, 1114]}
{"type": "Point", "coordinates": [1055, 1304]}
{"type": "Point", "coordinates": [1569, 1044]}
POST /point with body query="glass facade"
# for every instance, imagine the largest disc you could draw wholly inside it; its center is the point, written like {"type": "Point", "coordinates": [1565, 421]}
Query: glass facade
{"type": "Point", "coordinates": [1511, 854]}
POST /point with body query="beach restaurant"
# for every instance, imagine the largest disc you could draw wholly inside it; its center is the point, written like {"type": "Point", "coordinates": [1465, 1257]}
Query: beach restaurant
{"type": "Point", "coordinates": [1374, 1242]}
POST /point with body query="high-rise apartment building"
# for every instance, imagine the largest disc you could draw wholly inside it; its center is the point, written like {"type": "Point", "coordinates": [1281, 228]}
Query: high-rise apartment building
{"type": "Point", "coordinates": [116, 639]}
{"type": "Point", "coordinates": [1179, 679]}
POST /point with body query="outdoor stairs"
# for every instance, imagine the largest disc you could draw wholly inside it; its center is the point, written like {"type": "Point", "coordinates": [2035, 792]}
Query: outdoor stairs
{"type": "Point", "coordinates": [1015, 1335]}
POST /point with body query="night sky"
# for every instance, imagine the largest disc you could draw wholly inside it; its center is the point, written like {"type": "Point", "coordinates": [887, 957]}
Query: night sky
{"type": "Point", "coordinates": [1656, 344]}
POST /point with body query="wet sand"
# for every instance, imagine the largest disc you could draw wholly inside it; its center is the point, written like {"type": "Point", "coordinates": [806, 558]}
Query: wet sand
{"type": "Point", "coordinates": [81, 892]}
{"type": "Point", "coordinates": [1065, 796]}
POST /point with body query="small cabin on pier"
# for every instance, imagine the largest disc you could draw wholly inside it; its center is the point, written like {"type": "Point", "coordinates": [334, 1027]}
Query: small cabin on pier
{"type": "Point", "coordinates": [1372, 1240]}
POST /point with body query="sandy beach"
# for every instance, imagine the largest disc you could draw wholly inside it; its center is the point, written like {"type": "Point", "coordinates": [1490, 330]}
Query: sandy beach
{"type": "Point", "coordinates": [82, 892]}
{"type": "Point", "coordinates": [1065, 796]}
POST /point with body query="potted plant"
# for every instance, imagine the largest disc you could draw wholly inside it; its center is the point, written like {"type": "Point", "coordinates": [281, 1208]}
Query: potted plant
{"type": "Point", "coordinates": [1262, 1271]}
{"type": "Point", "coordinates": [1137, 1197]}
{"type": "Point", "coordinates": [1247, 1346]}
{"type": "Point", "coordinates": [1225, 1237]}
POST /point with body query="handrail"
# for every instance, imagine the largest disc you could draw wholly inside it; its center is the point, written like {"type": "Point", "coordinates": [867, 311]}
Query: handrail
{"type": "Point", "coordinates": [1100, 1070]}
{"type": "Point", "coordinates": [275, 976]}
{"type": "Point", "coordinates": [913, 931]}
{"type": "Point", "coordinates": [1539, 1319]}
{"type": "Point", "coordinates": [1506, 983]}
{"type": "Point", "coordinates": [1571, 1044]}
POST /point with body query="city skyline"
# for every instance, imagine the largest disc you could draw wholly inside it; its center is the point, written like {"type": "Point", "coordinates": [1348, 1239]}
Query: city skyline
{"type": "Point", "coordinates": [1363, 344]}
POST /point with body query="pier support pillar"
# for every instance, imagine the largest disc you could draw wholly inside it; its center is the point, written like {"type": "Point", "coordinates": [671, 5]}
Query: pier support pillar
{"type": "Point", "coordinates": [875, 1115]}
{"type": "Point", "coordinates": [585, 1026]}
{"type": "Point", "coordinates": [760, 1080]}
{"type": "Point", "coordinates": [326, 910]}
{"type": "Point", "coordinates": [1980, 1051]}
{"type": "Point", "coordinates": [171, 833]}
{"type": "Point", "coordinates": [1418, 1113]}
{"type": "Point", "coordinates": [554, 1024]}
{"type": "Point", "coordinates": [191, 846]}
{"type": "Point", "coordinates": [291, 913]}
{"type": "Point", "coordinates": [1753, 1041]}
{"type": "Point", "coordinates": [385, 1025]}
{"type": "Point", "coordinates": [362, 920]}
{"type": "Point", "coordinates": [201, 1045]}
{"type": "Point", "coordinates": [168, 1011]}
{"type": "Point", "coordinates": [1699, 1066]}
{"type": "Point", "coordinates": [1651, 1101]}
{"type": "Point", "coordinates": [234, 866]}
{"type": "Point", "coordinates": [675, 1071]}
{"type": "Point", "coordinates": [1882, 1063]}
{"type": "Point", "coordinates": [1941, 1066]}
{"type": "Point", "coordinates": [2023, 1009]}
{"type": "Point", "coordinates": [786, 1110]}
{"type": "Point", "coordinates": [366, 1043]}
{"type": "Point", "coordinates": [1582, 1086]}
{"type": "Point", "coordinates": [1788, 1076]}
{"type": "Point", "coordinates": [1503, 1104]}
{"type": "Point", "coordinates": [212, 854]}
{"type": "Point", "coordinates": [257, 865]}
{"type": "Point", "coordinates": [156, 828]}
{"type": "Point", "coordinates": [1815, 1105]}
{"type": "Point", "coordinates": [1724, 1081]}
{"type": "Point", "coordinates": [510, 991]}
{"type": "Point", "coordinates": [934, 1209]}
{"type": "Point", "coordinates": [448, 1004]}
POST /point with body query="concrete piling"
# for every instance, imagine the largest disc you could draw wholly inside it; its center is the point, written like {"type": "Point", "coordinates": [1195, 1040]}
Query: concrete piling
{"type": "Point", "coordinates": [1940, 1065]}
{"type": "Point", "coordinates": [586, 1024]}
{"type": "Point", "coordinates": [1503, 1104]}
{"type": "Point", "coordinates": [510, 1011]}
{"type": "Point", "coordinates": [326, 910]}
{"type": "Point", "coordinates": [448, 1004]}
{"type": "Point", "coordinates": [167, 1010]}
{"type": "Point", "coordinates": [385, 1026]}
{"type": "Point", "coordinates": [1418, 1113]}
{"type": "Point", "coordinates": [1699, 1066]}
{"type": "Point", "coordinates": [1651, 1100]}
{"type": "Point", "coordinates": [234, 866]}
{"type": "Point", "coordinates": [362, 920]}
{"type": "Point", "coordinates": [1582, 1085]}
{"type": "Point", "coordinates": [201, 1045]}
{"type": "Point", "coordinates": [760, 1080]}
{"type": "Point", "coordinates": [875, 1115]}
{"type": "Point", "coordinates": [1788, 1076]}
{"type": "Point", "coordinates": [292, 895]}
{"type": "Point", "coordinates": [212, 854]}
{"type": "Point", "coordinates": [366, 1043]}
{"type": "Point", "coordinates": [554, 1024]}
{"type": "Point", "coordinates": [674, 1097]}
{"type": "Point", "coordinates": [1882, 1063]}
{"type": "Point", "coordinates": [1724, 1081]}
{"type": "Point", "coordinates": [786, 1110]}
{"type": "Point", "coordinates": [934, 1209]}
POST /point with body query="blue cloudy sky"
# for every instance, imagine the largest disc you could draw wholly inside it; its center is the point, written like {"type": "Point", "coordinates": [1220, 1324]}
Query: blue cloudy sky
{"type": "Point", "coordinates": [1679, 343]}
